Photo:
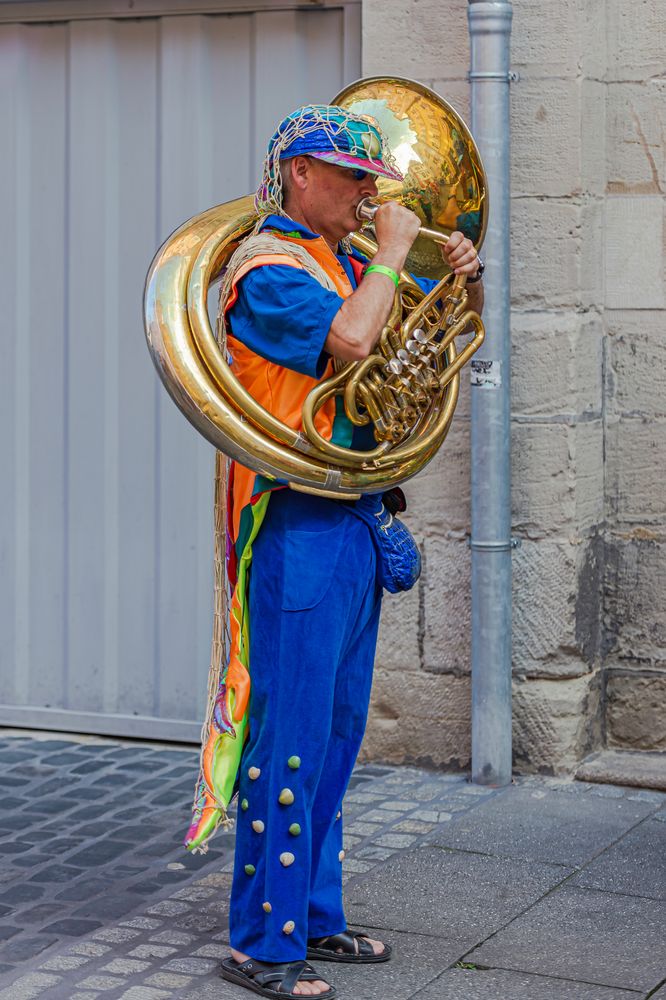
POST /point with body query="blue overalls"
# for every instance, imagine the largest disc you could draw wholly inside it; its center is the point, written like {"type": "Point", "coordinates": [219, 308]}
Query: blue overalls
{"type": "Point", "coordinates": [314, 607]}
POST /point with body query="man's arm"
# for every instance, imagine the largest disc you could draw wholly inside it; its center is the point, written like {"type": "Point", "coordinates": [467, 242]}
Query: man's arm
{"type": "Point", "coordinates": [361, 318]}
{"type": "Point", "coordinates": [357, 325]}
{"type": "Point", "coordinates": [475, 297]}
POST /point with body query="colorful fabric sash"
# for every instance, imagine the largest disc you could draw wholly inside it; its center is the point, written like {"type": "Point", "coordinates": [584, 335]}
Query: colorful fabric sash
{"type": "Point", "coordinates": [282, 392]}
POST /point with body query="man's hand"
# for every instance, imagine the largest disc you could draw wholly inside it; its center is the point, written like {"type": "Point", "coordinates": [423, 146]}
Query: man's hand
{"type": "Point", "coordinates": [460, 255]}
{"type": "Point", "coordinates": [396, 229]}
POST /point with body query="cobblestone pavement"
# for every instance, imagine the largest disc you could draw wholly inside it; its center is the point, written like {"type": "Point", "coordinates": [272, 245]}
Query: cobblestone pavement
{"type": "Point", "coordinates": [548, 890]}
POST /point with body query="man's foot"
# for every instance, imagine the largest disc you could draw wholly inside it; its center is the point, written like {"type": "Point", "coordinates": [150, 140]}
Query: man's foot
{"type": "Point", "coordinates": [306, 989]}
{"type": "Point", "coordinates": [348, 946]}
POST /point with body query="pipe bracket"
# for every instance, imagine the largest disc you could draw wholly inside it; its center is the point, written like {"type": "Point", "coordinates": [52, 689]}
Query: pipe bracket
{"type": "Point", "coordinates": [511, 77]}
{"type": "Point", "coordinates": [494, 546]}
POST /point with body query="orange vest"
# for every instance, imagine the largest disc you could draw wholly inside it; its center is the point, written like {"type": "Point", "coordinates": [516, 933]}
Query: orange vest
{"type": "Point", "coordinates": [280, 390]}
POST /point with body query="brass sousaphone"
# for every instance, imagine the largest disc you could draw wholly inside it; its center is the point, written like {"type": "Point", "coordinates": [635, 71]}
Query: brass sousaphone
{"type": "Point", "coordinates": [408, 388]}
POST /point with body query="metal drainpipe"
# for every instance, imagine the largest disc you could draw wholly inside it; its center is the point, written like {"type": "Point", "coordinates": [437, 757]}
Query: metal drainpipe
{"type": "Point", "coordinates": [491, 544]}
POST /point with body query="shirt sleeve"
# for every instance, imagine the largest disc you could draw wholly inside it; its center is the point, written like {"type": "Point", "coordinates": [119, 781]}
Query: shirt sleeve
{"type": "Point", "coordinates": [283, 314]}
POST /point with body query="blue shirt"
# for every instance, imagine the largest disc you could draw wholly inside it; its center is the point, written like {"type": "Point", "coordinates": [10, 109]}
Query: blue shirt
{"type": "Point", "coordinates": [283, 314]}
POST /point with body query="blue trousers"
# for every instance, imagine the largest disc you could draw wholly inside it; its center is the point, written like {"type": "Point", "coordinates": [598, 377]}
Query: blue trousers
{"type": "Point", "coordinates": [314, 613]}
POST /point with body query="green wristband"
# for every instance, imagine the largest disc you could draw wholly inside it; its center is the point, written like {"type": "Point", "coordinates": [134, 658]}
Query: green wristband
{"type": "Point", "coordinates": [388, 271]}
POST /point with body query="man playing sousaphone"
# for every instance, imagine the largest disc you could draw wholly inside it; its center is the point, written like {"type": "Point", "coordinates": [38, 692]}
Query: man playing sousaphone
{"type": "Point", "coordinates": [295, 297]}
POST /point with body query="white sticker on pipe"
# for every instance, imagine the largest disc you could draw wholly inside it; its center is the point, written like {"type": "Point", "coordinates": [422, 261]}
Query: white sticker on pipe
{"type": "Point", "coordinates": [486, 373]}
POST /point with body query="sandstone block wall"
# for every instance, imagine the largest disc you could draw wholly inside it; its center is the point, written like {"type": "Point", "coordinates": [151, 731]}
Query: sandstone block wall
{"type": "Point", "coordinates": [588, 398]}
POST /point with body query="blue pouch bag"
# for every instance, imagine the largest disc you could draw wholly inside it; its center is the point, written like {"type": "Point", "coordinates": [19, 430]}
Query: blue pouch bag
{"type": "Point", "coordinates": [398, 556]}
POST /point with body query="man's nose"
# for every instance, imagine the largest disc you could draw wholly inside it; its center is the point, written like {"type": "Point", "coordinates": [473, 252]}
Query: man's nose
{"type": "Point", "coordinates": [370, 189]}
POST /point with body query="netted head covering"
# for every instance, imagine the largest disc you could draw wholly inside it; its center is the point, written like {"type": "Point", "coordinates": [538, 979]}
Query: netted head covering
{"type": "Point", "coordinates": [327, 133]}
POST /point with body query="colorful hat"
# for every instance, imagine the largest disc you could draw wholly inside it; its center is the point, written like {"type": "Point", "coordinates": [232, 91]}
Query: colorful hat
{"type": "Point", "coordinates": [328, 133]}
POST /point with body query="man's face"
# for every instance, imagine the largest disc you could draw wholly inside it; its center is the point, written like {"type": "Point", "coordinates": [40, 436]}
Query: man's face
{"type": "Point", "coordinates": [331, 195]}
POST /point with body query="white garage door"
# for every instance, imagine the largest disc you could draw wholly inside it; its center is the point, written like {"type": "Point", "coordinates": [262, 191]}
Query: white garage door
{"type": "Point", "coordinates": [113, 132]}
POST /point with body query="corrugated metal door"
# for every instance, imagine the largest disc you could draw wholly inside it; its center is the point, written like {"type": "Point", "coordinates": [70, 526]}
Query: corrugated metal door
{"type": "Point", "coordinates": [113, 133]}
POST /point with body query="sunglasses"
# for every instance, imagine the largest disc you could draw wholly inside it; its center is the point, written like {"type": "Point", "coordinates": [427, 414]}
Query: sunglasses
{"type": "Point", "coordinates": [358, 174]}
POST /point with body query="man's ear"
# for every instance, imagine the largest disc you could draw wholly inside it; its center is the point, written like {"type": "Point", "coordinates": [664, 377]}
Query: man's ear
{"type": "Point", "coordinates": [300, 171]}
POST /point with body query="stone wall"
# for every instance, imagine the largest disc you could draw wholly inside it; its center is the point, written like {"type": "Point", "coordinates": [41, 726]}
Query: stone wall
{"type": "Point", "coordinates": [588, 442]}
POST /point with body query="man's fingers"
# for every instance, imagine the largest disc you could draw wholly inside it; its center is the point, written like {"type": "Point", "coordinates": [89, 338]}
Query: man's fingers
{"type": "Point", "coordinates": [470, 268]}
{"type": "Point", "coordinates": [453, 242]}
{"type": "Point", "coordinates": [466, 257]}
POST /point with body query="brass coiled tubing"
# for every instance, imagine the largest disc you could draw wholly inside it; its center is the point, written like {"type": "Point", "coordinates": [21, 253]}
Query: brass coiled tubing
{"type": "Point", "coordinates": [408, 387]}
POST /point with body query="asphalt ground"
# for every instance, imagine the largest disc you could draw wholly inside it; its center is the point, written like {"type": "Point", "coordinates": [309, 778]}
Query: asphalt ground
{"type": "Point", "coordinates": [546, 890]}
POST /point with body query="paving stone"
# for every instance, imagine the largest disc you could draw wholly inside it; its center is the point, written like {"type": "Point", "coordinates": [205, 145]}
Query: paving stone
{"type": "Point", "coordinates": [44, 746]}
{"type": "Point", "coordinates": [381, 816]}
{"type": "Point", "coordinates": [9, 781]}
{"type": "Point", "coordinates": [61, 845]}
{"type": "Point", "coordinates": [116, 934]}
{"type": "Point", "coordinates": [89, 767]}
{"type": "Point", "coordinates": [64, 758]}
{"type": "Point", "coordinates": [125, 966]}
{"type": "Point", "coordinates": [143, 888]}
{"type": "Point", "coordinates": [87, 792]}
{"type": "Point", "coordinates": [99, 853]}
{"type": "Point", "coordinates": [456, 896]}
{"type": "Point", "coordinates": [11, 756]}
{"type": "Point", "coordinates": [196, 892]}
{"type": "Point", "coordinates": [216, 879]}
{"type": "Point", "coordinates": [395, 840]}
{"type": "Point", "coordinates": [363, 829]}
{"type": "Point", "coordinates": [56, 873]}
{"type": "Point", "coordinates": [90, 811]}
{"type": "Point", "coordinates": [497, 984]}
{"type": "Point", "coordinates": [93, 948]}
{"type": "Point", "coordinates": [10, 804]}
{"type": "Point", "coordinates": [413, 826]}
{"type": "Point", "coordinates": [151, 951]}
{"type": "Point", "coordinates": [143, 993]}
{"type": "Point", "coordinates": [636, 865]}
{"type": "Point", "coordinates": [560, 828]}
{"type": "Point", "coordinates": [112, 779]}
{"type": "Point", "coordinates": [553, 938]}
{"type": "Point", "coordinates": [146, 923]}
{"type": "Point", "coordinates": [65, 963]}
{"type": "Point", "coordinates": [52, 807]}
{"type": "Point", "coordinates": [75, 928]}
{"type": "Point", "coordinates": [168, 908]}
{"type": "Point", "coordinates": [14, 847]}
{"type": "Point", "coordinates": [373, 853]}
{"type": "Point", "coordinates": [30, 986]}
{"type": "Point", "coordinates": [37, 914]}
{"type": "Point", "coordinates": [172, 937]}
{"type": "Point", "coordinates": [29, 769]}
{"type": "Point", "coordinates": [435, 816]}
{"type": "Point", "coordinates": [170, 980]}
{"type": "Point", "coordinates": [101, 983]}
{"type": "Point", "coordinates": [30, 860]}
{"type": "Point", "coordinates": [354, 866]}
{"type": "Point", "coordinates": [84, 890]}
{"type": "Point", "coordinates": [108, 907]}
{"type": "Point", "coordinates": [423, 794]}
{"type": "Point", "coordinates": [22, 948]}
{"type": "Point", "coordinates": [212, 951]}
{"type": "Point", "coordinates": [35, 836]}
{"type": "Point", "coordinates": [197, 966]}
{"type": "Point", "coordinates": [95, 829]}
